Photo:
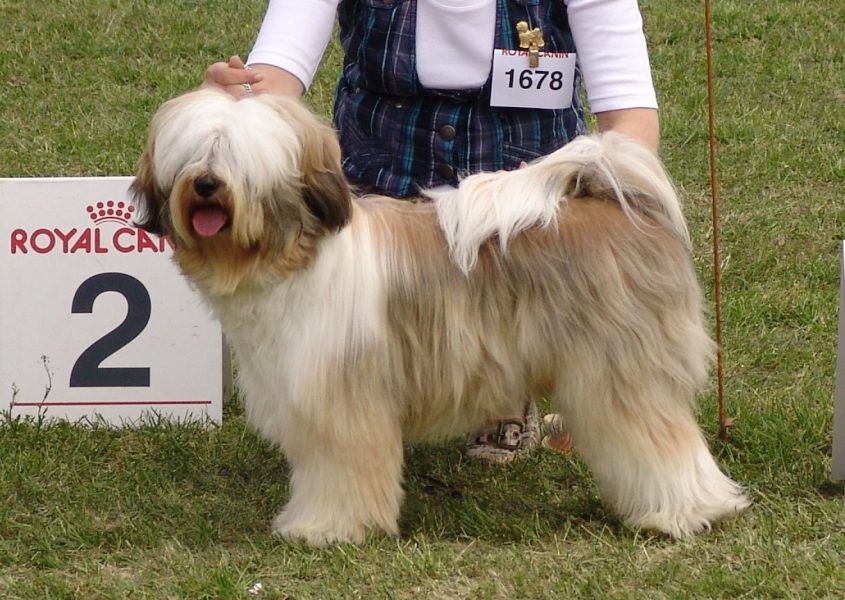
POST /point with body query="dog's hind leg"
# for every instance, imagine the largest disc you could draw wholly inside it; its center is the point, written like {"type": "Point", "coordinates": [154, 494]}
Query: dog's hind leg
{"type": "Point", "coordinates": [344, 482]}
{"type": "Point", "coordinates": [648, 454]}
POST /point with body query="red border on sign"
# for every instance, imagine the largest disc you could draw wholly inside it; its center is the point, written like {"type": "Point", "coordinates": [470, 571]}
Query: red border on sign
{"type": "Point", "coordinates": [116, 403]}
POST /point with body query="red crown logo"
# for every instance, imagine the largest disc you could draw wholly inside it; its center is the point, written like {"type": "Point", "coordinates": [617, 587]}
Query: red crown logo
{"type": "Point", "coordinates": [113, 212]}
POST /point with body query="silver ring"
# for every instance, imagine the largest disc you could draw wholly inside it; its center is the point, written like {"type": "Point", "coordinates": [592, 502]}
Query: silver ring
{"type": "Point", "coordinates": [247, 88]}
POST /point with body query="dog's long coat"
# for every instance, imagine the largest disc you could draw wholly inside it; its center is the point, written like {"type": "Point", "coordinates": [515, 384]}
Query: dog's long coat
{"type": "Point", "coordinates": [360, 323]}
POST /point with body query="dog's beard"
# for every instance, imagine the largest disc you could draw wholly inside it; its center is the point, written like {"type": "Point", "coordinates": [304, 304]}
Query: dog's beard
{"type": "Point", "coordinates": [240, 252]}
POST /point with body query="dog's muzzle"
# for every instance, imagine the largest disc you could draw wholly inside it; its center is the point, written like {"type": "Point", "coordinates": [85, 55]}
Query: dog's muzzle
{"type": "Point", "coordinates": [208, 217]}
{"type": "Point", "coordinates": [205, 186]}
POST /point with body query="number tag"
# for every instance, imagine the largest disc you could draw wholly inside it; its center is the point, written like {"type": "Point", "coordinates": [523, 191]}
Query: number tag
{"type": "Point", "coordinates": [517, 85]}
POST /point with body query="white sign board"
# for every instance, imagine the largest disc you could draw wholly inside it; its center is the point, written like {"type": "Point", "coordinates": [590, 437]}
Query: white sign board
{"type": "Point", "coordinates": [838, 471]}
{"type": "Point", "coordinates": [95, 319]}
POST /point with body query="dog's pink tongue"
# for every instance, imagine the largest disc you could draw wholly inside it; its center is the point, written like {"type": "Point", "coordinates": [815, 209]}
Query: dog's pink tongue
{"type": "Point", "coordinates": [209, 220]}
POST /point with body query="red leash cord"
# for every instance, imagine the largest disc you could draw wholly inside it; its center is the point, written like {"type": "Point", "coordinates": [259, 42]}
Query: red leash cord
{"type": "Point", "coordinates": [724, 421]}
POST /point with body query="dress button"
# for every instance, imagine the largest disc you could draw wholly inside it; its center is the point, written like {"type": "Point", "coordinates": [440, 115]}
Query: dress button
{"type": "Point", "coordinates": [446, 171]}
{"type": "Point", "coordinates": [447, 132]}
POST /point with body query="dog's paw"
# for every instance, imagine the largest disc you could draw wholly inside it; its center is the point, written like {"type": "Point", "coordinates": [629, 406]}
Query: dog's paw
{"type": "Point", "coordinates": [686, 523]}
{"type": "Point", "coordinates": [317, 532]}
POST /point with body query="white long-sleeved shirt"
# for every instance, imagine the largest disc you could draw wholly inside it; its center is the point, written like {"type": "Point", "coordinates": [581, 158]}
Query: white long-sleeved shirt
{"type": "Point", "coordinates": [454, 45]}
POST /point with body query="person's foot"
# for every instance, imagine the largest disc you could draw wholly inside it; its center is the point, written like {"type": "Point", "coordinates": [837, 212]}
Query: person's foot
{"type": "Point", "coordinates": [556, 438]}
{"type": "Point", "coordinates": [502, 442]}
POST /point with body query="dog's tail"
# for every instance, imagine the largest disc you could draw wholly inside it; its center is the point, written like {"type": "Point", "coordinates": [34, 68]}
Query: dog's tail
{"type": "Point", "coordinates": [609, 165]}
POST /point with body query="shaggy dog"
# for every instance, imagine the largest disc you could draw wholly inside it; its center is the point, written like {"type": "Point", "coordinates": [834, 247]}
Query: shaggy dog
{"type": "Point", "coordinates": [363, 323]}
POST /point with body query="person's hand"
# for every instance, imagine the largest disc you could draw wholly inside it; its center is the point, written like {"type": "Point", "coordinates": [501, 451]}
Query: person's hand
{"type": "Point", "coordinates": [241, 81]}
{"type": "Point", "coordinates": [234, 77]}
{"type": "Point", "coordinates": [642, 124]}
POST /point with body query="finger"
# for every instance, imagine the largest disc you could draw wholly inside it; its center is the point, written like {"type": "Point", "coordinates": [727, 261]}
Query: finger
{"type": "Point", "coordinates": [218, 74]}
{"type": "Point", "coordinates": [243, 91]}
{"type": "Point", "coordinates": [253, 77]}
{"type": "Point", "coordinates": [235, 62]}
{"type": "Point", "coordinates": [222, 74]}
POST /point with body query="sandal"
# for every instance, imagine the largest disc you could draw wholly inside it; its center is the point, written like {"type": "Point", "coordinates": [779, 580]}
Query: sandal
{"type": "Point", "coordinates": [506, 440]}
{"type": "Point", "coordinates": [556, 438]}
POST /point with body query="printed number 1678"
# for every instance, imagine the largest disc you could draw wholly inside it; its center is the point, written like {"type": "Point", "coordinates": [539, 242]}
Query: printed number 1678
{"type": "Point", "coordinates": [534, 78]}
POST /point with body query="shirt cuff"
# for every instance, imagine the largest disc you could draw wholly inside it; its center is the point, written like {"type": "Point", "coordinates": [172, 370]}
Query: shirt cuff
{"type": "Point", "coordinates": [598, 105]}
{"type": "Point", "coordinates": [298, 70]}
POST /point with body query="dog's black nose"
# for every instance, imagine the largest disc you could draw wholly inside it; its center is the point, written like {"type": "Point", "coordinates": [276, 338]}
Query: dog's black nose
{"type": "Point", "coordinates": [206, 185]}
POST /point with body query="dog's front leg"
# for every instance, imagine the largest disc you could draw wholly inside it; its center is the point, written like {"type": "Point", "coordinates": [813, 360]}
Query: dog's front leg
{"type": "Point", "coordinates": [346, 479]}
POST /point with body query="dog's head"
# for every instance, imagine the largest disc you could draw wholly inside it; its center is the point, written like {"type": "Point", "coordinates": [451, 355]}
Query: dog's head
{"type": "Point", "coordinates": [244, 188]}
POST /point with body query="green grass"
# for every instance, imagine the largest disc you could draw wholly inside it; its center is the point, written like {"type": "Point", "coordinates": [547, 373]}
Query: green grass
{"type": "Point", "coordinates": [168, 511]}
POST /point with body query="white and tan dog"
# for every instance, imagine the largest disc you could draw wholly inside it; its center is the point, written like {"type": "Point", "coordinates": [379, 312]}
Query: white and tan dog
{"type": "Point", "coordinates": [361, 323]}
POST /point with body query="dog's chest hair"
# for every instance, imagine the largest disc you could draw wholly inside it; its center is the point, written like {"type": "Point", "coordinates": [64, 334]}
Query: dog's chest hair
{"type": "Point", "coordinates": [325, 313]}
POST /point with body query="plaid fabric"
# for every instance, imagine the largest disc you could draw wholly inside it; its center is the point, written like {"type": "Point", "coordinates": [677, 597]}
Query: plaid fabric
{"type": "Point", "coordinates": [398, 136]}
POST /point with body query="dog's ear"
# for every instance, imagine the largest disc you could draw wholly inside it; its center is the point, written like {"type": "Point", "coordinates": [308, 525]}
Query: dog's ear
{"type": "Point", "coordinates": [147, 197]}
{"type": "Point", "coordinates": [325, 189]}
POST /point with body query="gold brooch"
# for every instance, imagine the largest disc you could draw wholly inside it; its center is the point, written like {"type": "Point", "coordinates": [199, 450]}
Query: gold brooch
{"type": "Point", "coordinates": [531, 40]}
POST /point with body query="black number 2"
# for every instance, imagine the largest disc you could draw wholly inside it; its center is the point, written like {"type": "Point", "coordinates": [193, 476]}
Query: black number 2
{"type": "Point", "coordinates": [87, 371]}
